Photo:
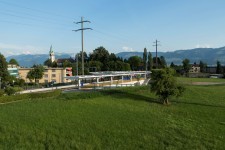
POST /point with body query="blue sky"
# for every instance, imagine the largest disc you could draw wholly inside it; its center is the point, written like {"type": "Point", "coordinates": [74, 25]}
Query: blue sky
{"type": "Point", "coordinates": [119, 25]}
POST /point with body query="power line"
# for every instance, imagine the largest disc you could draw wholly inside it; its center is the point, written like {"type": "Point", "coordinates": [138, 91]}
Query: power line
{"type": "Point", "coordinates": [156, 46]}
{"type": "Point", "coordinates": [82, 38]}
{"type": "Point", "coordinates": [32, 14]}
{"type": "Point", "coordinates": [26, 15]}
{"type": "Point", "coordinates": [32, 18]}
{"type": "Point", "coordinates": [32, 9]}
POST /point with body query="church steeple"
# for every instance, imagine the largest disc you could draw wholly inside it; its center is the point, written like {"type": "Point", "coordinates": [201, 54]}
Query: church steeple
{"type": "Point", "coordinates": [51, 54]}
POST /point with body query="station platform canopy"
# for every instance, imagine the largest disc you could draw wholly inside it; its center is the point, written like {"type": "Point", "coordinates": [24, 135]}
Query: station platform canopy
{"type": "Point", "coordinates": [109, 74]}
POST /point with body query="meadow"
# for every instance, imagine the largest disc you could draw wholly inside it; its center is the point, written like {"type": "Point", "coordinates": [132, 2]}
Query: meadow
{"type": "Point", "coordinates": [124, 118]}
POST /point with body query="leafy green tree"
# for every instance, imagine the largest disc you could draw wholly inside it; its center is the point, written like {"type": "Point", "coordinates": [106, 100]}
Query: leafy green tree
{"type": "Point", "coordinates": [172, 65]}
{"type": "Point", "coordinates": [36, 73]}
{"type": "Point", "coordinates": [218, 67]}
{"type": "Point", "coordinates": [54, 64]}
{"type": "Point", "coordinates": [158, 61]}
{"type": "Point", "coordinates": [67, 64]}
{"type": "Point", "coordinates": [186, 65]}
{"type": "Point", "coordinates": [30, 75]}
{"type": "Point", "coordinates": [79, 56]}
{"type": "Point", "coordinates": [150, 61]}
{"type": "Point", "coordinates": [165, 85]}
{"type": "Point", "coordinates": [74, 68]}
{"type": "Point", "coordinates": [49, 63]}
{"type": "Point", "coordinates": [13, 62]}
{"type": "Point", "coordinates": [2, 92]}
{"type": "Point", "coordinates": [119, 66]}
{"type": "Point", "coordinates": [163, 63]}
{"type": "Point", "coordinates": [4, 74]}
{"type": "Point", "coordinates": [135, 62]}
{"type": "Point", "coordinates": [126, 61]}
{"type": "Point", "coordinates": [95, 65]}
{"type": "Point", "coordinates": [20, 82]}
{"type": "Point", "coordinates": [112, 57]}
{"type": "Point", "coordinates": [10, 90]}
{"type": "Point", "coordinates": [145, 59]}
{"type": "Point", "coordinates": [202, 66]}
{"type": "Point", "coordinates": [126, 67]}
{"type": "Point", "coordinates": [102, 55]}
{"type": "Point", "coordinates": [112, 65]}
{"type": "Point", "coordinates": [120, 59]}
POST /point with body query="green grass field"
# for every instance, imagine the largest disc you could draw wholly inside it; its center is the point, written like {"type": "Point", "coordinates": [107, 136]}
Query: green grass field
{"type": "Point", "coordinates": [192, 80]}
{"type": "Point", "coordinates": [127, 118]}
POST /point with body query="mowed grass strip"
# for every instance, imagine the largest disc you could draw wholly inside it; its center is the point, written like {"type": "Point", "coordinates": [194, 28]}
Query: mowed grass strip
{"type": "Point", "coordinates": [126, 118]}
{"type": "Point", "coordinates": [194, 80]}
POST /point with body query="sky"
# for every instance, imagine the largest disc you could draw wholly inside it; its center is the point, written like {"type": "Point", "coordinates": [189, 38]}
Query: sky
{"type": "Point", "coordinates": [31, 27]}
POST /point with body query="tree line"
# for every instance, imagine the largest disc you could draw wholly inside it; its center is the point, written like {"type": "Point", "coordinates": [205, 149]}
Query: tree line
{"type": "Point", "coordinates": [186, 66]}
{"type": "Point", "coordinates": [102, 60]}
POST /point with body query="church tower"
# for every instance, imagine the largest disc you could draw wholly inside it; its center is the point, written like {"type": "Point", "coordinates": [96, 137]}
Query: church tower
{"type": "Point", "coordinates": [51, 55]}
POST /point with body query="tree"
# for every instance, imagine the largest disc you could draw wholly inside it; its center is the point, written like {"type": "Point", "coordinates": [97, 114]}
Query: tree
{"type": "Point", "coordinates": [165, 85]}
{"type": "Point", "coordinates": [13, 62]}
{"type": "Point", "coordinates": [49, 63]}
{"type": "Point", "coordinates": [102, 55]}
{"type": "Point", "coordinates": [218, 67]}
{"type": "Point", "coordinates": [135, 62]}
{"type": "Point", "coordinates": [202, 66]}
{"type": "Point", "coordinates": [126, 67]}
{"type": "Point", "coordinates": [145, 59]}
{"type": "Point", "coordinates": [150, 61]}
{"type": "Point", "coordinates": [67, 63]}
{"type": "Point", "coordinates": [79, 56]}
{"type": "Point", "coordinates": [172, 65]}
{"type": "Point", "coordinates": [112, 66]}
{"type": "Point", "coordinates": [36, 73]}
{"type": "Point", "coordinates": [186, 65]}
{"type": "Point", "coordinates": [4, 74]}
{"type": "Point", "coordinates": [158, 61]}
{"type": "Point", "coordinates": [112, 57]}
{"type": "Point", "coordinates": [162, 62]}
{"type": "Point", "coordinates": [95, 66]}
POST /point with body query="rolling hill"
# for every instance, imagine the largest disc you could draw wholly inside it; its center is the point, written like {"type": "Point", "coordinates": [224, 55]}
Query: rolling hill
{"type": "Point", "coordinates": [207, 55]}
{"type": "Point", "coordinates": [31, 59]}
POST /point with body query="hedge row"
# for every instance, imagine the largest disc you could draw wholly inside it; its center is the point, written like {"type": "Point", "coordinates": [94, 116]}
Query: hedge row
{"type": "Point", "coordinates": [4, 99]}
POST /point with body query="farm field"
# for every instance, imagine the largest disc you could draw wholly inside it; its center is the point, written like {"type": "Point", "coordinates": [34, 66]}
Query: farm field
{"type": "Point", "coordinates": [125, 118]}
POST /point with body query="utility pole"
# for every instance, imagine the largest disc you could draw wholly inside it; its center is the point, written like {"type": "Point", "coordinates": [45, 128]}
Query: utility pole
{"type": "Point", "coordinates": [82, 38]}
{"type": "Point", "coordinates": [156, 46]}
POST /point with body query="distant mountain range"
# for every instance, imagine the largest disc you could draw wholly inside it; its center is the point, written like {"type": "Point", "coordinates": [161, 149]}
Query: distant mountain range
{"type": "Point", "coordinates": [207, 55]}
{"type": "Point", "coordinates": [28, 60]}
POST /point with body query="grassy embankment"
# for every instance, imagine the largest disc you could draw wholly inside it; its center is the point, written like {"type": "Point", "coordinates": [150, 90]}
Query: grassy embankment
{"type": "Point", "coordinates": [127, 118]}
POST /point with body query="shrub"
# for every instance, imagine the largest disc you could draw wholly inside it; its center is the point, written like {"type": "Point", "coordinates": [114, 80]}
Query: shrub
{"type": "Point", "coordinates": [165, 85]}
{"type": "Point", "coordinates": [2, 92]}
{"type": "Point", "coordinates": [10, 90]}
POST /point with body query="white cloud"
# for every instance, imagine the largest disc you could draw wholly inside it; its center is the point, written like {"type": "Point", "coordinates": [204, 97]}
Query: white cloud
{"type": "Point", "coordinates": [27, 52]}
{"type": "Point", "coordinates": [10, 49]}
{"type": "Point", "coordinates": [202, 46]}
{"type": "Point", "coordinates": [128, 49]}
